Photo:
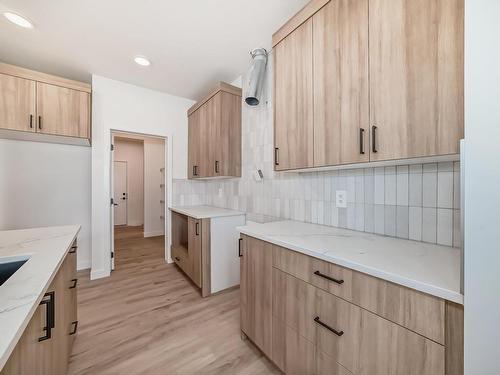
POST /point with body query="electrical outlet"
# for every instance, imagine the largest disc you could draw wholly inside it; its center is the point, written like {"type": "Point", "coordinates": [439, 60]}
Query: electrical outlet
{"type": "Point", "coordinates": [341, 198]}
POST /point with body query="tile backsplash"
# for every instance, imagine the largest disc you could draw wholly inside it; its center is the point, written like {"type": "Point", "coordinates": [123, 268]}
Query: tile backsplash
{"type": "Point", "coordinates": [418, 202]}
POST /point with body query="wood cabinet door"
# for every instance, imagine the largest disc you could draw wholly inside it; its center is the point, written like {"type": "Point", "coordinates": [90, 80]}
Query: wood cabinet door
{"type": "Point", "coordinates": [293, 100]}
{"type": "Point", "coordinates": [227, 136]}
{"type": "Point", "coordinates": [62, 111]}
{"type": "Point", "coordinates": [256, 292]}
{"type": "Point", "coordinates": [194, 250]}
{"type": "Point", "coordinates": [340, 51]}
{"type": "Point", "coordinates": [17, 103]}
{"type": "Point", "coordinates": [194, 144]}
{"type": "Point", "coordinates": [416, 77]}
{"type": "Point", "coordinates": [212, 132]}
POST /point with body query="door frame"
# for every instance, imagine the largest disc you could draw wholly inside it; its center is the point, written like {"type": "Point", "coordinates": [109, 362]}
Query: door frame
{"type": "Point", "coordinates": [168, 162]}
{"type": "Point", "coordinates": [126, 187]}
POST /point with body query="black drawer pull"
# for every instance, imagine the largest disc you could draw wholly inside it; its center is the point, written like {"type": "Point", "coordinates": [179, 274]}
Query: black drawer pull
{"type": "Point", "coordinates": [74, 281]}
{"type": "Point", "coordinates": [338, 333]}
{"type": "Point", "coordinates": [49, 302]}
{"type": "Point", "coordinates": [75, 327]}
{"type": "Point", "coordinates": [374, 139]}
{"type": "Point", "coordinates": [276, 156]}
{"type": "Point", "coordinates": [240, 254]}
{"type": "Point", "coordinates": [40, 122]}
{"type": "Point", "coordinates": [197, 229]}
{"type": "Point", "coordinates": [361, 141]}
{"type": "Point", "coordinates": [31, 121]}
{"type": "Point", "coordinates": [73, 249]}
{"type": "Point", "coordinates": [317, 273]}
{"type": "Point", "coordinates": [217, 166]}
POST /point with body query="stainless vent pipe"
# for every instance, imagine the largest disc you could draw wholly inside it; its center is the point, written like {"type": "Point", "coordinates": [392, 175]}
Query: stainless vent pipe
{"type": "Point", "coordinates": [256, 76]}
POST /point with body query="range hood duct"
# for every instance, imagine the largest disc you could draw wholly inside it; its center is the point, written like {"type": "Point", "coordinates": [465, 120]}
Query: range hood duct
{"type": "Point", "coordinates": [256, 76]}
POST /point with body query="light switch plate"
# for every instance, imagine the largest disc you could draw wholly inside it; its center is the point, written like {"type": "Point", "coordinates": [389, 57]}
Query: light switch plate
{"type": "Point", "coordinates": [341, 198]}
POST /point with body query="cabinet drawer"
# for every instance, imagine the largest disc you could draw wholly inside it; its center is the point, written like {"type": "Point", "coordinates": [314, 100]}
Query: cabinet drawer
{"type": "Point", "coordinates": [419, 312]}
{"type": "Point", "coordinates": [362, 342]}
{"type": "Point", "coordinates": [294, 354]}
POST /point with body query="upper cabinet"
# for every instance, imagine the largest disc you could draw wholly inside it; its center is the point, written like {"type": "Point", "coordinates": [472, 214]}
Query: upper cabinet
{"type": "Point", "coordinates": [368, 80]}
{"type": "Point", "coordinates": [214, 134]}
{"type": "Point", "coordinates": [33, 102]}
{"type": "Point", "coordinates": [416, 77]}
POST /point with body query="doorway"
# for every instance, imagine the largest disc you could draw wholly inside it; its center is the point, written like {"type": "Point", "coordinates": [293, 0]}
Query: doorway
{"type": "Point", "coordinates": [138, 187]}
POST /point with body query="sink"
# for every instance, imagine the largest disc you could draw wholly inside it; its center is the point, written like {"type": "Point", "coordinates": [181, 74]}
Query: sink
{"type": "Point", "coordinates": [9, 266]}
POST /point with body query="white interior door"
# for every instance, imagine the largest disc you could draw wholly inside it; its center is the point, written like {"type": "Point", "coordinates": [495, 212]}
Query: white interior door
{"type": "Point", "coordinates": [120, 192]}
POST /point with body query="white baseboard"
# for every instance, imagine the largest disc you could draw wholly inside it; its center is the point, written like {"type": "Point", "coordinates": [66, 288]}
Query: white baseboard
{"type": "Point", "coordinates": [83, 265]}
{"type": "Point", "coordinates": [154, 234]}
{"type": "Point", "coordinates": [98, 274]}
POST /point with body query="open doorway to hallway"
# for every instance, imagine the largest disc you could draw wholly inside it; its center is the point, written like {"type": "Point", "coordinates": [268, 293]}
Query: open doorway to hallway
{"type": "Point", "coordinates": [139, 195]}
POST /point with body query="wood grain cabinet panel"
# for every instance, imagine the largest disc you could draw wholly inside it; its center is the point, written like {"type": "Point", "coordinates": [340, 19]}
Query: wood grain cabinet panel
{"type": "Point", "coordinates": [416, 77]}
{"type": "Point", "coordinates": [17, 103]}
{"type": "Point", "coordinates": [419, 312]}
{"type": "Point", "coordinates": [62, 111]}
{"type": "Point", "coordinates": [214, 135]}
{"type": "Point", "coordinates": [255, 287]}
{"type": "Point", "coordinates": [340, 55]}
{"type": "Point", "coordinates": [293, 99]}
{"type": "Point", "coordinates": [194, 250]}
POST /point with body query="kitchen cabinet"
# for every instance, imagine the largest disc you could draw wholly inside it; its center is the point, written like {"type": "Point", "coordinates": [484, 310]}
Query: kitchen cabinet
{"type": "Point", "coordinates": [17, 103]}
{"type": "Point", "coordinates": [41, 352]}
{"type": "Point", "coordinates": [325, 318]}
{"type": "Point", "coordinates": [368, 81]}
{"type": "Point", "coordinates": [416, 77]}
{"type": "Point", "coordinates": [214, 134]}
{"type": "Point", "coordinates": [256, 298]}
{"type": "Point", "coordinates": [293, 100]}
{"type": "Point", "coordinates": [33, 102]}
{"type": "Point", "coordinates": [62, 111]}
{"type": "Point", "coordinates": [196, 230]}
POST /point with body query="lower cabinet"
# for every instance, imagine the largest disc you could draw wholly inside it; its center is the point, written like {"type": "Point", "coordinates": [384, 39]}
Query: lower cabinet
{"type": "Point", "coordinates": [305, 329]}
{"type": "Point", "coordinates": [45, 346]}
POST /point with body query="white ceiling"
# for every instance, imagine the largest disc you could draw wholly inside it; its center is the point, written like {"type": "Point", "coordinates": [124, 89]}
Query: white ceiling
{"type": "Point", "coordinates": [192, 44]}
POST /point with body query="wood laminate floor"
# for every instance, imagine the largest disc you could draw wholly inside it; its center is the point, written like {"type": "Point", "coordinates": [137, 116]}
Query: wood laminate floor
{"type": "Point", "coordinates": [147, 318]}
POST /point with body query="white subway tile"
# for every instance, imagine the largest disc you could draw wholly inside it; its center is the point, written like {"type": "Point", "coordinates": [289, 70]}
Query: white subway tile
{"type": "Point", "coordinates": [379, 219]}
{"type": "Point", "coordinates": [360, 217]}
{"type": "Point", "coordinates": [415, 189]}
{"type": "Point", "coordinates": [369, 218]}
{"type": "Point", "coordinates": [379, 189]}
{"type": "Point", "coordinates": [360, 188]}
{"type": "Point", "coordinates": [402, 221]}
{"type": "Point", "coordinates": [402, 189]}
{"type": "Point", "coordinates": [445, 190]}
{"type": "Point", "coordinates": [429, 189]}
{"type": "Point", "coordinates": [415, 223]}
{"type": "Point", "coordinates": [456, 190]}
{"type": "Point", "coordinates": [445, 226]}
{"type": "Point", "coordinates": [457, 229]}
{"type": "Point", "coordinates": [390, 221]}
{"type": "Point", "coordinates": [429, 219]}
{"type": "Point", "coordinates": [369, 181]}
{"type": "Point", "coordinates": [390, 189]}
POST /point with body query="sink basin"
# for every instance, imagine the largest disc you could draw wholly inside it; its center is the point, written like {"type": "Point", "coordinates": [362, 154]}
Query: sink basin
{"type": "Point", "coordinates": [9, 266]}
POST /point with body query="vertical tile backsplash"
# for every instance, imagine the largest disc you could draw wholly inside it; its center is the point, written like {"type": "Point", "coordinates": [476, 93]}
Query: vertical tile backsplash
{"type": "Point", "coordinates": [417, 202]}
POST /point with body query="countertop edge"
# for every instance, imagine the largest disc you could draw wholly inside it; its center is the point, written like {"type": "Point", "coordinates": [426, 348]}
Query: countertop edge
{"type": "Point", "coordinates": [435, 291]}
{"type": "Point", "coordinates": [4, 357]}
{"type": "Point", "coordinates": [182, 211]}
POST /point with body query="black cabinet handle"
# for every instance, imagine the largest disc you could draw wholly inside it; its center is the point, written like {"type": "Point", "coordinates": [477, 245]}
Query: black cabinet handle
{"type": "Point", "coordinates": [75, 327]}
{"type": "Point", "coordinates": [73, 249]}
{"type": "Point", "coordinates": [197, 230]}
{"type": "Point", "coordinates": [216, 166]}
{"type": "Point", "coordinates": [240, 254]}
{"type": "Point", "coordinates": [194, 170]}
{"type": "Point", "coordinates": [31, 121]}
{"type": "Point", "coordinates": [338, 333]}
{"type": "Point", "coordinates": [317, 273]}
{"type": "Point", "coordinates": [49, 302]}
{"type": "Point", "coordinates": [177, 259]}
{"type": "Point", "coordinates": [276, 156]}
{"type": "Point", "coordinates": [361, 141]}
{"type": "Point", "coordinates": [74, 281]}
{"type": "Point", "coordinates": [374, 139]}
{"type": "Point", "coordinates": [40, 122]}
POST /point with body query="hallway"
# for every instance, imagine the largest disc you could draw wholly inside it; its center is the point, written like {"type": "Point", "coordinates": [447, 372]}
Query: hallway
{"type": "Point", "coordinates": [147, 318]}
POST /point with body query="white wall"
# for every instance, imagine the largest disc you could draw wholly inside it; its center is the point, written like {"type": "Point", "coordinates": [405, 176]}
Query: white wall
{"type": "Point", "coordinates": [132, 151]}
{"type": "Point", "coordinates": [45, 184]}
{"type": "Point", "coordinates": [154, 151]}
{"type": "Point", "coordinates": [120, 106]}
{"type": "Point", "coordinates": [482, 187]}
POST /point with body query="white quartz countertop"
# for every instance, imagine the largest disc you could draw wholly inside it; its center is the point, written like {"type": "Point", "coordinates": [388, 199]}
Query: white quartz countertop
{"type": "Point", "coordinates": [205, 212]}
{"type": "Point", "coordinates": [429, 268]}
{"type": "Point", "coordinates": [21, 294]}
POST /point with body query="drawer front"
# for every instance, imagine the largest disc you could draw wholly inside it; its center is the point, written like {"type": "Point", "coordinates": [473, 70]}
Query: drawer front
{"type": "Point", "coordinates": [295, 355]}
{"type": "Point", "coordinates": [360, 341]}
{"type": "Point", "coordinates": [419, 312]}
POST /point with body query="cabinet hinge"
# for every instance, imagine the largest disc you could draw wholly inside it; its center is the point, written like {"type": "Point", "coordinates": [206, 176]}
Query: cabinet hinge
{"type": "Point", "coordinates": [112, 254]}
{"type": "Point", "coordinates": [112, 147]}
{"type": "Point", "coordinates": [112, 201]}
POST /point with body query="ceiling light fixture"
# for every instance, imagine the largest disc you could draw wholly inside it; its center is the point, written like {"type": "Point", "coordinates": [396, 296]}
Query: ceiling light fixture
{"type": "Point", "coordinates": [18, 20]}
{"type": "Point", "coordinates": [141, 60]}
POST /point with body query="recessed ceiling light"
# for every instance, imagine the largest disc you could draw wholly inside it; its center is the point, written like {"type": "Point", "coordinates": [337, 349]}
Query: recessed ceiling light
{"type": "Point", "coordinates": [141, 60]}
{"type": "Point", "coordinates": [18, 20]}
